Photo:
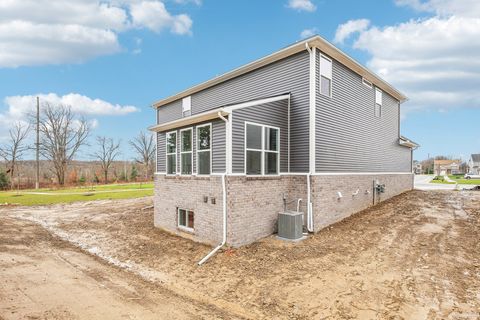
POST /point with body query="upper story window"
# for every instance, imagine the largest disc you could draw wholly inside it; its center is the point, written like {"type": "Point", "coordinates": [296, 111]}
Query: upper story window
{"type": "Point", "coordinates": [378, 102]}
{"type": "Point", "coordinates": [262, 146]}
{"type": "Point", "coordinates": [325, 76]}
{"type": "Point", "coordinates": [186, 151]}
{"type": "Point", "coordinates": [187, 106]}
{"type": "Point", "coordinates": [204, 149]}
{"type": "Point", "coordinates": [171, 144]}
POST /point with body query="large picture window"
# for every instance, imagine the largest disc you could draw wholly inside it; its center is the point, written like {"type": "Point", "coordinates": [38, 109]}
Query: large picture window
{"type": "Point", "coordinates": [262, 146]}
{"type": "Point", "coordinates": [171, 144]}
{"type": "Point", "coordinates": [325, 76]}
{"type": "Point", "coordinates": [186, 151]}
{"type": "Point", "coordinates": [204, 149]}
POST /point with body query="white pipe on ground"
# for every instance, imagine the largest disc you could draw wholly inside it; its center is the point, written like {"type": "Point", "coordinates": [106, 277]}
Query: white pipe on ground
{"type": "Point", "coordinates": [224, 203]}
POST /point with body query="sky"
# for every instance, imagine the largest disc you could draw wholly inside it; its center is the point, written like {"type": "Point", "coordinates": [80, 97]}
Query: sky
{"type": "Point", "coordinates": [111, 59]}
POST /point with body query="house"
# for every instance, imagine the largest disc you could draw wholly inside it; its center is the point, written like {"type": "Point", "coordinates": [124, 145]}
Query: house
{"type": "Point", "coordinates": [305, 125]}
{"type": "Point", "coordinates": [474, 164]}
{"type": "Point", "coordinates": [417, 167]}
{"type": "Point", "coordinates": [446, 167]}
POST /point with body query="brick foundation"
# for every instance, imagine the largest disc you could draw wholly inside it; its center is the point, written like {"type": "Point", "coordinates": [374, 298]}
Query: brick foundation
{"type": "Point", "coordinates": [253, 203]}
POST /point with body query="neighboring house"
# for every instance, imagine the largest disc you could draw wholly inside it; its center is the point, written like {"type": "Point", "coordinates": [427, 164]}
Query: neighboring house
{"type": "Point", "coordinates": [306, 122]}
{"type": "Point", "coordinates": [446, 167]}
{"type": "Point", "coordinates": [417, 167]}
{"type": "Point", "coordinates": [474, 164]}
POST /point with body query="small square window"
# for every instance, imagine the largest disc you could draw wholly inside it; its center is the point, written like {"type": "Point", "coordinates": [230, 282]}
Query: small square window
{"type": "Point", "coordinates": [186, 219]}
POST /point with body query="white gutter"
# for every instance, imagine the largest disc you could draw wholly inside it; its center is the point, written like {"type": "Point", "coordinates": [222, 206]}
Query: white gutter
{"type": "Point", "coordinates": [312, 96]}
{"type": "Point", "coordinates": [224, 203]}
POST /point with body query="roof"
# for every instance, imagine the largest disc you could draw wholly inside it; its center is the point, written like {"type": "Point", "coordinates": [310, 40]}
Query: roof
{"type": "Point", "coordinates": [404, 141]}
{"type": "Point", "coordinates": [445, 162]}
{"type": "Point", "coordinates": [315, 41]}
{"type": "Point", "coordinates": [476, 157]}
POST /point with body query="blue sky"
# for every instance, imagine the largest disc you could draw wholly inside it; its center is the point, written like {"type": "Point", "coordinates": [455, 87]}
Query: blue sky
{"type": "Point", "coordinates": [129, 53]}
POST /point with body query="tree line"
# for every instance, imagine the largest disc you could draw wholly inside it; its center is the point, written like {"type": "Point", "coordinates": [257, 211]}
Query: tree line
{"type": "Point", "coordinates": [62, 134]}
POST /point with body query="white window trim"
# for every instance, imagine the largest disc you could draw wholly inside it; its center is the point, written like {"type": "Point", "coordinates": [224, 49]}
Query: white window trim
{"type": "Point", "coordinates": [186, 106]}
{"type": "Point", "coordinates": [184, 152]}
{"type": "Point", "coordinates": [380, 104]}
{"type": "Point", "coordinates": [262, 151]}
{"type": "Point", "coordinates": [367, 83]}
{"type": "Point", "coordinates": [186, 220]}
{"type": "Point", "coordinates": [168, 154]}
{"type": "Point", "coordinates": [320, 76]}
{"type": "Point", "coordinates": [198, 149]}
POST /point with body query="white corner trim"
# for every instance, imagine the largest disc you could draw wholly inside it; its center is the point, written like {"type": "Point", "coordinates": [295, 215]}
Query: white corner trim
{"type": "Point", "coordinates": [312, 102]}
{"type": "Point", "coordinates": [255, 102]}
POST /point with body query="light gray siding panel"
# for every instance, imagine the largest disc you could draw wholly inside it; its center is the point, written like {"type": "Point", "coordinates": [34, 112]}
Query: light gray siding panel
{"type": "Point", "coordinates": [170, 112]}
{"type": "Point", "coordinates": [349, 137]}
{"type": "Point", "coordinates": [288, 75]}
{"type": "Point", "coordinates": [218, 146]}
{"type": "Point", "coordinates": [272, 114]}
{"type": "Point", "coordinates": [161, 152]}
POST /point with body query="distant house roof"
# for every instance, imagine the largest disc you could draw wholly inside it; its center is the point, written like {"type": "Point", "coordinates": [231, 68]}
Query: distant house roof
{"type": "Point", "coordinates": [315, 41]}
{"type": "Point", "coordinates": [445, 162]}
{"type": "Point", "coordinates": [476, 157]}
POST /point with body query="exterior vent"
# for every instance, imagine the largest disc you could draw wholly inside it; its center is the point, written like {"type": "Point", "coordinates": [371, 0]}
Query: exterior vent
{"type": "Point", "coordinates": [290, 225]}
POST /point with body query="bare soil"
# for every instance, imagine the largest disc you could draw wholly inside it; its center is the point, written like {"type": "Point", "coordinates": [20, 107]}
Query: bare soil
{"type": "Point", "coordinates": [415, 256]}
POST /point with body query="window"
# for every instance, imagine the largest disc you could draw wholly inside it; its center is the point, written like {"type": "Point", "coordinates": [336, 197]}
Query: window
{"type": "Point", "coordinates": [185, 219]}
{"type": "Point", "coordinates": [204, 149]}
{"type": "Point", "coordinates": [367, 83]}
{"type": "Point", "coordinates": [186, 153]}
{"type": "Point", "coordinates": [378, 102]}
{"type": "Point", "coordinates": [171, 144]}
{"type": "Point", "coordinates": [262, 145]}
{"type": "Point", "coordinates": [325, 76]}
{"type": "Point", "coordinates": [187, 106]}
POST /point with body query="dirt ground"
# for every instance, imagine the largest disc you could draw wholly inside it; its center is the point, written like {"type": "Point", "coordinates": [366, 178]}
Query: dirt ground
{"type": "Point", "coordinates": [416, 256]}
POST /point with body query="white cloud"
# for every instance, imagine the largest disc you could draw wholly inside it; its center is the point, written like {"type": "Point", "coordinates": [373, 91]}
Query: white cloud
{"type": "Point", "coordinates": [302, 5]}
{"type": "Point", "coordinates": [465, 8]}
{"type": "Point", "coordinates": [435, 61]}
{"type": "Point", "coordinates": [348, 28]}
{"type": "Point", "coordinates": [307, 33]}
{"type": "Point", "coordinates": [39, 32]}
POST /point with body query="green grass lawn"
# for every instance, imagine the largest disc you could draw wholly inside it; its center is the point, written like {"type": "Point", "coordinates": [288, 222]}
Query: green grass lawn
{"type": "Point", "coordinates": [458, 179]}
{"type": "Point", "coordinates": [86, 193]}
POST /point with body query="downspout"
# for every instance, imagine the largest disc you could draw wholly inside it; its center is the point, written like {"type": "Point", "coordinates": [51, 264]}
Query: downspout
{"type": "Point", "coordinates": [309, 188]}
{"type": "Point", "coordinates": [224, 203]}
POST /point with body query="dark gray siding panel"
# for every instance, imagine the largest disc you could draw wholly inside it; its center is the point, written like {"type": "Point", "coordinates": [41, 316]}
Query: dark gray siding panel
{"type": "Point", "coordinates": [218, 146]}
{"type": "Point", "coordinates": [288, 75]}
{"type": "Point", "coordinates": [170, 112]}
{"type": "Point", "coordinates": [161, 152]}
{"type": "Point", "coordinates": [349, 137]}
{"type": "Point", "coordinates": [273, 114]}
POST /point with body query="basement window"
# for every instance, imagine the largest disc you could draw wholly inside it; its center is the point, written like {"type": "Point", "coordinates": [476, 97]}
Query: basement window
{"type": "Point", "coordinates": [186, 153]}
{"type": "Point", "coordinates": [378, 103]}
{"type": "Point", "coordinates": [204, 149]}
{"type": "Point", "coordinates": [262, 149]}
{"type": "Point", "coordinates": [325, 76]}
{"type": "Point", "coordinates": [186, 219]}
{"type": "Point", "coordinates": [171, 144]}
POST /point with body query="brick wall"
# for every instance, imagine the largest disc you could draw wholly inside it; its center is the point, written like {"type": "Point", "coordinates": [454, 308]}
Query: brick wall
{"type": "Point", "coordinates": [187, 192]}
{"type": "Point", "coordinates": [254, 204]}
{"type": "Point", "coordinates": [329, 209]}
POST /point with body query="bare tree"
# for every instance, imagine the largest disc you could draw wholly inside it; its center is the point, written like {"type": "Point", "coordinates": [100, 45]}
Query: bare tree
{"type": "Point", "coordinates": [15, 148]}
{"type": "Point", "coordinates": [108, 151]}
{"type": "Point", "coordinates": [62, 135]}
{"type": "Point", "coordinates": [144, 146]}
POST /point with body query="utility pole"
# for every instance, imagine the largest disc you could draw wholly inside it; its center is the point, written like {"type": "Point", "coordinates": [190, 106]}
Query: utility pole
{"type": "Point", "coordinates": [37, 175]}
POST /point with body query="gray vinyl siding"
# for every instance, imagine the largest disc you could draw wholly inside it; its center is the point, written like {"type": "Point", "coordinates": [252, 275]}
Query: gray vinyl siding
{"type": "Point", "coordinates": [161, 152]}
{"type": "Point", "coordinates": [273, 114]}
{"type": "Point", "coordinates": [218, 147]}
{"type": "Point", "coordinates": [287, 75]}
{"type": "Point", "coordinates": [349, 138]}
